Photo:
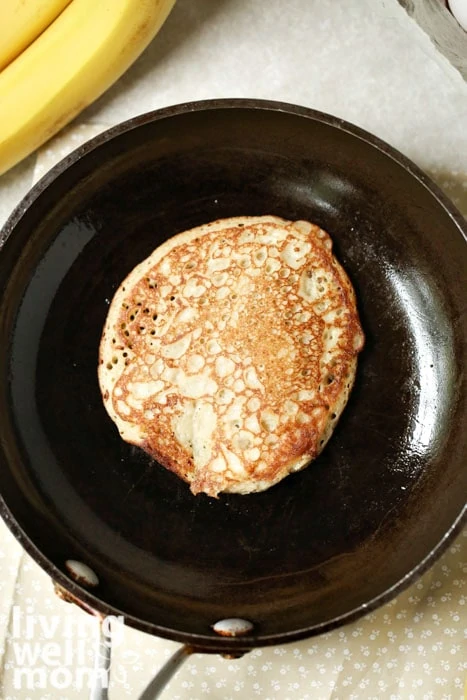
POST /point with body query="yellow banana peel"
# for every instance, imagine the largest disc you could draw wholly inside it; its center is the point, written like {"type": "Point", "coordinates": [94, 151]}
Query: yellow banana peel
{"type": "Point", "coordinates": [22, 21]}
{"type": "Point", "coordinates": [80, 55]}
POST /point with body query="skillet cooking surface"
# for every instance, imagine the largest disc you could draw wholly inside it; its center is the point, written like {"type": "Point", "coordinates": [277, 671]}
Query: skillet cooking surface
{"type": "Point", "coordinates": [324, 545]}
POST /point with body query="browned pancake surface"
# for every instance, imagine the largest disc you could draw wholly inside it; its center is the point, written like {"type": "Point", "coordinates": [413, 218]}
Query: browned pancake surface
{"type": "Point", "coordinates": [229, 353]}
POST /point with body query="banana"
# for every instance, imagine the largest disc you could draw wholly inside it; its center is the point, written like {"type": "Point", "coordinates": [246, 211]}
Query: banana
{"type": "Point", "coordinates": [84, 51]}
{"type": "Point", "coordinates": [22, 21]}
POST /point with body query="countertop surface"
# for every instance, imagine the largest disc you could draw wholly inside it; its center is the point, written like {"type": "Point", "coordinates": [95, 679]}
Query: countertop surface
{"type": "Point", "coordinates": [367, 62]}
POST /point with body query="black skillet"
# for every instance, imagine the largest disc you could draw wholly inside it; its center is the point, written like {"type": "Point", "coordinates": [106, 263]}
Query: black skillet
{"type": "Point", "coordinates": [324, 546]}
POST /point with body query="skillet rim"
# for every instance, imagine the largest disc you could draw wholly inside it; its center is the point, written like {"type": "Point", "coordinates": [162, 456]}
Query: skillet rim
{"type": "Point", "coordinates": [204, 642]}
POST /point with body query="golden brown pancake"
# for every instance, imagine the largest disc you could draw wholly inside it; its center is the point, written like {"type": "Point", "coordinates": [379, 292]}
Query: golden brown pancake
{"type": "Point", "coordinates": [229, 353]}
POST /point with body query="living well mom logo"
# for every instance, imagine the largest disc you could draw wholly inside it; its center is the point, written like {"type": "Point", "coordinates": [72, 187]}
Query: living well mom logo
{"type": "Point", "coordinates": [60, 652]}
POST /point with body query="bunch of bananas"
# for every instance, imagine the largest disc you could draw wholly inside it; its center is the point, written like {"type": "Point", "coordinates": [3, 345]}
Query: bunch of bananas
{"type": "Point", "coordinates": [58, 56]}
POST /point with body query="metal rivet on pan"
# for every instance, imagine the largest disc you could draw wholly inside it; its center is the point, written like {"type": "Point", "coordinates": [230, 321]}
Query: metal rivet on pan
{"type": "Point", "coordinates": [232, 627]}
{"type": "Point", "coordinates": [81, 573]}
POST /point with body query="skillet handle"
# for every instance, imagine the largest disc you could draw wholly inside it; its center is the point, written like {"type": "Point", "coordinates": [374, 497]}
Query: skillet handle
{"type": "Point", "coordinates": [99, 689]}
{"type": "Point", "coordinates": [153, 690]}
{"type": "Point", "coordinates": [155, 687]}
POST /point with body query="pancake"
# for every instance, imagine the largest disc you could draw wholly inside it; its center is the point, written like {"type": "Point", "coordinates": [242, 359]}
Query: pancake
{"type": "Point", "coordinates": [229, 353]}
